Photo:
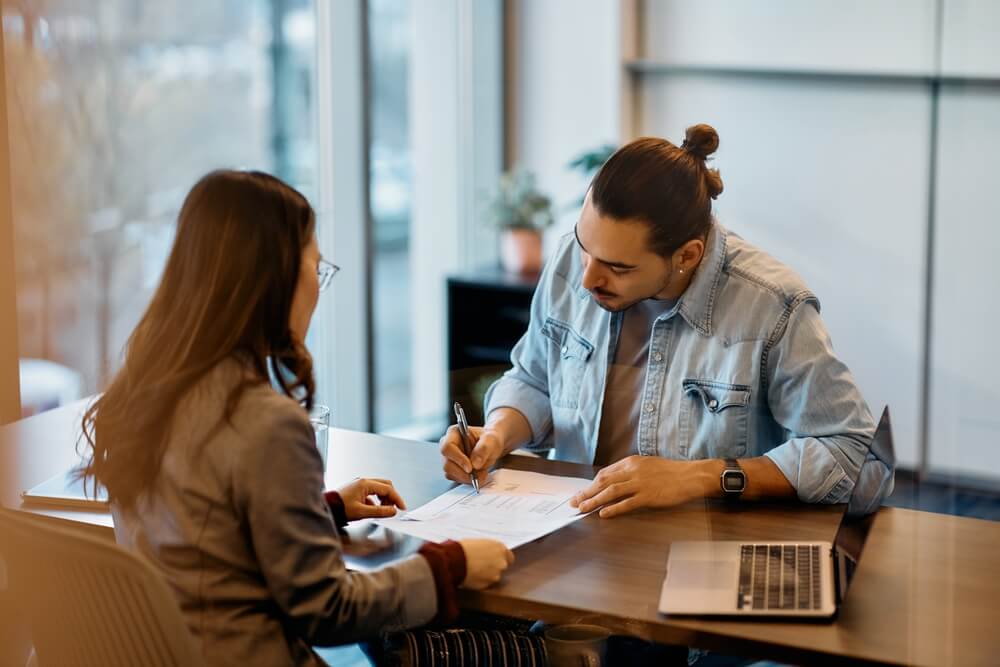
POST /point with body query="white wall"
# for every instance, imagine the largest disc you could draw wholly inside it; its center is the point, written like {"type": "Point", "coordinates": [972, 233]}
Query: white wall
{"type": "Point", "coordinates": [965, 392]}
{"type": "Point", "coordinates": [831, 175]}
{"type": "Point", "coordinates": [828, 35]}
{"type": "Point", "coordinates": [812, 176]}
{"type": "Point", "coordinates": [456, 130]}
{"type": "Point", "coordinates": [437, 208]}
{"type": "Point", "coordinates": [963, 422]}
{"type": "Point", "coordinates": [563, 93]}
{"type": "Point", "coordinates": [971, 38]}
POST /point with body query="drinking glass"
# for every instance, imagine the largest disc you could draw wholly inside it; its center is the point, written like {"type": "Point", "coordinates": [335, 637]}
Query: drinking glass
{"type": "Point", "coordinates": [577, 645]}
{"type": "Point", "coordinates": [319, 417]}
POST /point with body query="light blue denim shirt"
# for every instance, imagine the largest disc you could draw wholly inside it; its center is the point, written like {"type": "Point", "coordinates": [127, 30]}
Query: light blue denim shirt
{"type": "Point", "coordinates": [742, 366]}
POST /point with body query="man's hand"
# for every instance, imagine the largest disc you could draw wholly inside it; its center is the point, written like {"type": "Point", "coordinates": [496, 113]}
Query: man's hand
{"type": "Point", "coordinates": [643, 481]}
{"type": "Point", "coordinates": [487, 451]}
{"type": "Point", "coordinates": [359, 503]}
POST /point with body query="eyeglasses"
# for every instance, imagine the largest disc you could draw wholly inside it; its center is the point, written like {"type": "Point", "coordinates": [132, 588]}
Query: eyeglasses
{"type": "Point", "coordinates": [326, 271]}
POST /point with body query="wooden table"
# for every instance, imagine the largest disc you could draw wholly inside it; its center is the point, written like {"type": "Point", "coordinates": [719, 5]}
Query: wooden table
{"type": "Point", "coordinates": [927, 591]}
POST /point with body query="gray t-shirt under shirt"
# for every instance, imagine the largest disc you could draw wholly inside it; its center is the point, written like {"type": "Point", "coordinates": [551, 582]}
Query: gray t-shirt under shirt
{"type": "Point", "coordinates": [626, 381]}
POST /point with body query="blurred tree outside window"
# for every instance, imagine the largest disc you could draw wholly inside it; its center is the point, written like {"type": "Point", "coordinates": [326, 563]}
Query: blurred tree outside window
{"type": "Point", "coordinates": [115, 109]}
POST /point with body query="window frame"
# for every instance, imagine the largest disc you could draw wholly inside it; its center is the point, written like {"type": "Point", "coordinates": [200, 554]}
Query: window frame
{"type": "Point", "coordinates": [10, 385]}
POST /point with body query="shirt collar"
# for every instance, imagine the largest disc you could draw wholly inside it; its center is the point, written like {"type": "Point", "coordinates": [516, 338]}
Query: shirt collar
{"type": "Point", "coordinates": [699, 298]}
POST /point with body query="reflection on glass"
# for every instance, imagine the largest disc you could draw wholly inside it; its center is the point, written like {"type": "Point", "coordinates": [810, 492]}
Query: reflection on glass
{"type": "Point", "coordinates": [115, 109]}
{"type": "Point", "coordinates": [390, 197]}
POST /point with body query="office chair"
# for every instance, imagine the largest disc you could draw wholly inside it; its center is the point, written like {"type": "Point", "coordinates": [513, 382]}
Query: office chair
{"type": "Point", "coordinates": [90, 602]}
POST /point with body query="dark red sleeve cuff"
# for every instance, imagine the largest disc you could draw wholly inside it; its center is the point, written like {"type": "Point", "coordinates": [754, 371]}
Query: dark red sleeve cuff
{"type": "Point", "coordinates": [447, 563]}
{"type": "Point", "coordinates": [336, 504]}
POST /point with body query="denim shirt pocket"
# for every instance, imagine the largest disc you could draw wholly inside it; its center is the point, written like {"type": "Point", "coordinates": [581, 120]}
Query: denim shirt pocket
{"type": "Point", "coordinates": [568, 356]}
{"type": "Point", "coordinates": [714, 419]}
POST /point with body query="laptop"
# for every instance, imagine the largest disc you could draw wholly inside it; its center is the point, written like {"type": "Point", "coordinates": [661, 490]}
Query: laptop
{"type": "Point", "coordinates": [781, 579]}
{"type": "Point", "coordinates": [64, 492]}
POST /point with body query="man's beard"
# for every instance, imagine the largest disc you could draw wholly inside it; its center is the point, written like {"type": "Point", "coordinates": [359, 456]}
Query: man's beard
{"type": "Point", "coordinates": [614, 309]}
{"type": "Point", "coordinates": [618, 309]}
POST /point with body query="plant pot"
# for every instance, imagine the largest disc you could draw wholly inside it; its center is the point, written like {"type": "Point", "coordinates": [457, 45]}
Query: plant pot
{"type": "Point", "coordinates": [521, 250]}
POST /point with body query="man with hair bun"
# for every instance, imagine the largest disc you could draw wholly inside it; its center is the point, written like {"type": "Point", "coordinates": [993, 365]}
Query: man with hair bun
{"type": "Point", "coordinates": [666, 348]}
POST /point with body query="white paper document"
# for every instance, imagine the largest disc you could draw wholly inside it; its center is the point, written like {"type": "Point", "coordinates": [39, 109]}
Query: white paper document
{"type": "Point", "coordinates": [514, 507]}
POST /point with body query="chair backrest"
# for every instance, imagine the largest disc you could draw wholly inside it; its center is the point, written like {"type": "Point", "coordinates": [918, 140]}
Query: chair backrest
{"type": "Point", "coordinates": [90, 602]}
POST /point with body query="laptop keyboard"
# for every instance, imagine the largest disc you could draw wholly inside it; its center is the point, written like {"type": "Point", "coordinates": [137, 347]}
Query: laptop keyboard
{"type": "Point", "coordinates": [779, 576]}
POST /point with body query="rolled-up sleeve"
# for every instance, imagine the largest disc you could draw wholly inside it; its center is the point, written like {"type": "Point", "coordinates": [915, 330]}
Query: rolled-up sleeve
{"type": "Point", "coordinates": [280, 489]}
{"type": "Point", "coordinates": [813, 395]}
{"type": "Point", "coordinates": [517, 390]}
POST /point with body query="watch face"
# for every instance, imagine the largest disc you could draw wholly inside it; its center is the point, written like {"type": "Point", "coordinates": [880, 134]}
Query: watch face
{"type": "Point", "coordinates": [733, 481]}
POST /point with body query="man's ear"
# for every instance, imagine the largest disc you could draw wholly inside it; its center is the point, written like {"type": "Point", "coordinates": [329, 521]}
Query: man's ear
{"type": "Point", "coordinates": [689, 255]}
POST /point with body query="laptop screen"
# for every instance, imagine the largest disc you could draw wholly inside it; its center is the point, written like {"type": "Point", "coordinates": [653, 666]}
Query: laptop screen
{"type": "Point", "coordinates": [874, 476]}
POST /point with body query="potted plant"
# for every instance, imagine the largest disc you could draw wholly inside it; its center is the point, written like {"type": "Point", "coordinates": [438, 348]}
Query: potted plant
{"type": "Point", "coordinates": [588, 162]}
{"type": "Point", "coordinates": [522, 213]}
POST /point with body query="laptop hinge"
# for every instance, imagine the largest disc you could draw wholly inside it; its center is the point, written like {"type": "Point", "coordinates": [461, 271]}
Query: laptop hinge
{"type": "Point", "coordinates": [835, 560]}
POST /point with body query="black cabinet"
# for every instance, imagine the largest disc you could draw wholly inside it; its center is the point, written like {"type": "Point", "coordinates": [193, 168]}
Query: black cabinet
{"type": "Point", "coordinates": [488, 312]}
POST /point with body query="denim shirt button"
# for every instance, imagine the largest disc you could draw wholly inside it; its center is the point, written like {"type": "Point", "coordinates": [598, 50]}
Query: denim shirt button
{"type": "Point", "coordinates": [713, 404]}
{"type": "Point", "coordinates": [649, 407]}
{"type": "Point", "coordinates": [657, 357]}
{"type": "Point", "coordinates": [565, 350]}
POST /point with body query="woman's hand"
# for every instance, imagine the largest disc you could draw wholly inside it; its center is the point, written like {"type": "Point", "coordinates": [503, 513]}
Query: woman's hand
{"type": "Point", "coordinates": [359, 499]}
{"type": "Point", "coordinates": [485, 562]}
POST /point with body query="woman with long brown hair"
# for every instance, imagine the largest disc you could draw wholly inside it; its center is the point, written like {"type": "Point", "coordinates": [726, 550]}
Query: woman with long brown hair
{"type": "Point", "coordinates": [214, 475]}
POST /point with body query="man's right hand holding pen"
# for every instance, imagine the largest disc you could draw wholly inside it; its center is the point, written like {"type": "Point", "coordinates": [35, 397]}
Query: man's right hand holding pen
{"type": "Point", "coordinates": [506, 429]}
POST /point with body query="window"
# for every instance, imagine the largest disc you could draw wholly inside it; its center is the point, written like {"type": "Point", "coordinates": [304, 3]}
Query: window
{"type": "Point", "coordinates": [390, 195]}
{"type": "Point", "coordinates": [115, 109]}
{"type": "Point", "coordinates": [435, 118]}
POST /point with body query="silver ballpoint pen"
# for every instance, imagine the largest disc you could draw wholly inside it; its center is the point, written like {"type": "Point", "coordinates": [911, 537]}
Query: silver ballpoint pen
{"type": "Point", "coordinates": [463, 430]}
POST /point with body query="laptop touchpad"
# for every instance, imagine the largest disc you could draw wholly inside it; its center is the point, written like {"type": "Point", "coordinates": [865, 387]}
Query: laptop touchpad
{"type": "Point", "coordinates": [702, 574]}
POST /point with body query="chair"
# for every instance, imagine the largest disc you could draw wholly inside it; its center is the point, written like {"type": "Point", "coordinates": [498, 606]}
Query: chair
{"type": "Point", "coordinates": [90, 602]}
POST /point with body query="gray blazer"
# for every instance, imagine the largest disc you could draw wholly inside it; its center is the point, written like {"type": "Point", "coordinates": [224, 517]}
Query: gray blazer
{"type": "Point", "coordinates": [240, 530]}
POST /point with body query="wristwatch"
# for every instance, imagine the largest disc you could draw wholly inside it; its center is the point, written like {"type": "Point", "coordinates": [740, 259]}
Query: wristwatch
{"type": "Point", "coordinates": [733, 480]}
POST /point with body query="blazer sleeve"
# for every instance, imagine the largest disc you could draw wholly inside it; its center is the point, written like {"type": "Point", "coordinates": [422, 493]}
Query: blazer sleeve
{"type": "Point", "coordinates": [279, 486]}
